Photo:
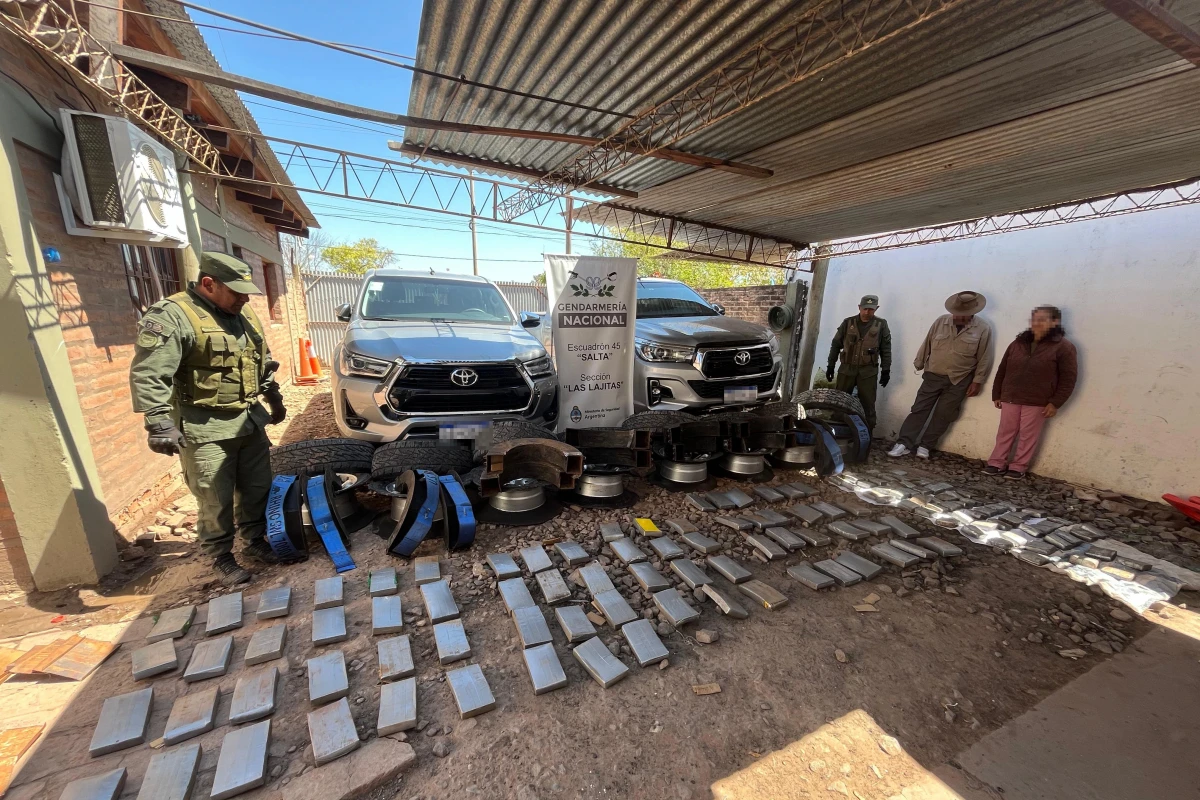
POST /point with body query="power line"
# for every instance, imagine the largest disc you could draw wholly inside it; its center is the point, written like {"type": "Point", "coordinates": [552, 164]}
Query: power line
{"type": "Point", "coordinates": [234, 30]}
{"type": "Point", "coordinates": [459, 79]}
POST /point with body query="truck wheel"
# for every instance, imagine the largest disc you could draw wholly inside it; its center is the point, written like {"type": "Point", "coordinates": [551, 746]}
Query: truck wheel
{"type": "Point", "coordinates": [315, 456]}
{"type": "Point", "coordinates": [830, 400]}
{"type": "Point", "coordinates": [401, 455]}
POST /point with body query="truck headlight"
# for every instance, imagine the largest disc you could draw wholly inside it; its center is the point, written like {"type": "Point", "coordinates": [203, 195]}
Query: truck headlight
{"type": "Point", "coordinates": [773, 341]}
{"type": "Point", "coordinates": [363, 366]}
{"type": "Point", "coordinates": [539, 367]}
{"type": "Point", "coordinates": [653, 351]}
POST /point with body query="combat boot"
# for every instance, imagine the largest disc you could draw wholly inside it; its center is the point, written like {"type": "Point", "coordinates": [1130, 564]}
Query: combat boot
{"type": "Point", "coordinates": [229, 571]}
{"type": "Point", "coordinates": [260, 550]}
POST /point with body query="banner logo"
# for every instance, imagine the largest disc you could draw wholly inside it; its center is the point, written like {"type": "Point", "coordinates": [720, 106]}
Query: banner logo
{"type": "Point", "coordinates": [593, 286]}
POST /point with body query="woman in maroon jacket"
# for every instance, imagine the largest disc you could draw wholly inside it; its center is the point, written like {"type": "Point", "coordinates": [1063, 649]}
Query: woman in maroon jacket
{"type": "Point", "coordinates": [1035, 377]}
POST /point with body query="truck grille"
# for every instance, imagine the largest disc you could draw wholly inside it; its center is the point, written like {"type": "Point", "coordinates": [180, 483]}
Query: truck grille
{"type": "Point", "coordinates": [723, 363]}
{"type": "Point", "coordinates": [715, 390]}
{"type": "Point", "coordinates": [427, 389]}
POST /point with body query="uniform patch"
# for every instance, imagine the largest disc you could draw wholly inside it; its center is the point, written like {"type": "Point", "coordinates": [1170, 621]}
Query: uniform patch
{"type": "Point", "coordinates": [149, 339]}
{"type": "Point", "coordinates": [152, 332]}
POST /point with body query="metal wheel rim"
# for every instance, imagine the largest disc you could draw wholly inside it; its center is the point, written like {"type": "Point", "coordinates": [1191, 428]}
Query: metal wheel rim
{"type": "Point", "coordinates": [843, 444]}
{"type": "Point", "coordinates": [743, 464]}
{"type": "Point", "coordinates": [800, 454]}
{"type": "Point", "coordinates": [600, 485]}
{"type": "Point", "coordinates": [683, 472]}
{"type": "Point", "coordinates": [525, 495]}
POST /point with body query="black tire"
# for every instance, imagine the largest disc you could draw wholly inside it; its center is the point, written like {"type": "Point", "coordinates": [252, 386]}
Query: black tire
{"type": "Point", "coordinates": [395, 457]}
{"type": "Point", "coordinates": [657, 420]}
{"type": "Point", "coordinates": [779, 409]}
{"type": "Point", "coordinates": [317, 455]}
{"type": "Point", "coordinates": [830, 400]}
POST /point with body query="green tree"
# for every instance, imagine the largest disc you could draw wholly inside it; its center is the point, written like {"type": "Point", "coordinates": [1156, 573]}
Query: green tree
{"type": "Point", "coordinates": [658, 262]}
{"type": "Point", "coordinates": [355, 258]}
{"type": "Point", "coordinates": [540, 278]}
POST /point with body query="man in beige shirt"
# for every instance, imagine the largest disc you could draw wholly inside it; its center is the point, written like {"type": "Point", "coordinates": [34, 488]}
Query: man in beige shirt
{"type": "Point", "coordinates": [956, 358]}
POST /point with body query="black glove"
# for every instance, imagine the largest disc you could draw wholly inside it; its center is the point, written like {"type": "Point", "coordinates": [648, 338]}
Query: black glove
{"type": "Point", "coordinates": [884, 377]}
{"type": "Point", "coordinates": [829, 372]}
{"type": "Point", "coordinates": [164, 438]}
{"type": "Point", "coordinates": [275, 402]}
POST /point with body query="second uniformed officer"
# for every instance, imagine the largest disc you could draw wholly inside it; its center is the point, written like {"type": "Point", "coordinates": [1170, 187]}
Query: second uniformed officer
{"type": "Point", "coordinates": [200, 367]}
{"type": "Point", "coordinates": [864, 343]}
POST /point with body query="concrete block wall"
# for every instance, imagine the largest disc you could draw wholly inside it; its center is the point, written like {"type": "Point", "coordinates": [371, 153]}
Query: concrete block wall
{"type": "Point", "coordinates": [750, 303]}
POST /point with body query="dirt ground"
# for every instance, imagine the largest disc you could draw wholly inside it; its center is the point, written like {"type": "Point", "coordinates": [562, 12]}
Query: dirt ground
{"type": "Point", "coordinates": [949, 654]}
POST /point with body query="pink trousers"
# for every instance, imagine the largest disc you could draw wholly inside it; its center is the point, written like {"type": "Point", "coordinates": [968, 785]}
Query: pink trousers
{"type": "Point", "coordinates": [1020, 424]}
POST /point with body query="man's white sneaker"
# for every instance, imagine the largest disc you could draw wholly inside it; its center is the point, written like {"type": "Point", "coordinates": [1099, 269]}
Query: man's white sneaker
{"type": "Point", "coordinates": [898, 450]}
{"type": "Point", "coordinates": [922, 452]}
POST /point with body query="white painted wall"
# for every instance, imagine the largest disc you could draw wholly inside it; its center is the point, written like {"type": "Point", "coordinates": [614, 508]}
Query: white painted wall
{"type": "Point", "coordinates": [1129, 288]}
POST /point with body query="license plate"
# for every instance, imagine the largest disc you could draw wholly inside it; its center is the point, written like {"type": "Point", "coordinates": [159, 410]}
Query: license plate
{"type": "Point", "coordinates": [740, 394]}
{"type": "Point", "coordinates": [463, 430]}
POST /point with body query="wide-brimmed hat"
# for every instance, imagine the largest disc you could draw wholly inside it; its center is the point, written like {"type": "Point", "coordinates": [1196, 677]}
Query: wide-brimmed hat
{"type": "Point", "coordinates": [231, 271]}
{"type": "Point", "coordinates": [962, 304]}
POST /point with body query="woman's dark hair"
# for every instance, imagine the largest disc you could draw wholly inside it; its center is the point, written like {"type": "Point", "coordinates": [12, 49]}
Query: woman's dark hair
{"type": "Point", "coordinates": [1055, 330]}
{"type": "Point", "coordinates": [1053, 311]}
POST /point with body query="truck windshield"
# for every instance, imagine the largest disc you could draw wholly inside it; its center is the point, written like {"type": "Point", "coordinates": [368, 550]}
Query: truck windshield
{"type": "Point", "coordinates": [399, 298]}
{"type": "Point", "coordinates": [670, 299]}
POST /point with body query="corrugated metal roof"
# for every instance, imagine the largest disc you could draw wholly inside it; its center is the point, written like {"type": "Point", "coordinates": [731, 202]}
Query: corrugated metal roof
{"type": "Point", "coordinates": [192, 47]}
{"type": "Point", "coordinates": [995, 106]}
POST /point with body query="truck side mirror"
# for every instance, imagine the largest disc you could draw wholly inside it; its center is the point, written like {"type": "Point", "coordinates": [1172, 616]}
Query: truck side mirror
{"type": "Point", "coordinates": [720, 309]}
{"type": "Point", "coordinates": [343, 312]}
{"type": "Point", "coordinates": [530, 320]}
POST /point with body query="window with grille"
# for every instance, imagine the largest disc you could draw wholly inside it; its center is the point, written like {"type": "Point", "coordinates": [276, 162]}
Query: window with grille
{"type": "Point", "coordinates": [152, 274]}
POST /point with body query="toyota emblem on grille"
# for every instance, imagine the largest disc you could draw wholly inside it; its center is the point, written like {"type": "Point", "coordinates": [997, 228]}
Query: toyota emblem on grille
{"type": "Point", "coordinates": [742, 358]}
{"type": "Point", "coordinates": [464, 377]}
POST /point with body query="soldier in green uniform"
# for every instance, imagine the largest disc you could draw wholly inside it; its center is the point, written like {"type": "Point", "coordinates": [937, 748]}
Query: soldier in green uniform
{"type": "Point", "coordinates": [200, 367]}
{"type": "Point", "coordinates": [864, 343]}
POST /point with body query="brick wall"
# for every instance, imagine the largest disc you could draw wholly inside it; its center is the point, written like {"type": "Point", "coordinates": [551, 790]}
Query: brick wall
{"type": "Point", "coordinates": [14, 569]}
{"type": "Point", "coordinates": [750, 303]}
{"type": "Point", "coordinates": [99, 324]}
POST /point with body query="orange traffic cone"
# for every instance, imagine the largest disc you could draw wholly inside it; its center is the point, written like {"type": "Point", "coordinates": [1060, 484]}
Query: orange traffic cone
{"type": "Point", "coordinates": [306, 374]}
{"type": "Point", "coordinates": [315, 363]}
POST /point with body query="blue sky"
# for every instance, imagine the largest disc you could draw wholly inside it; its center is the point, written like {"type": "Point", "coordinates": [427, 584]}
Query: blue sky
{"type": "Point", "coordinates": [429, 239]}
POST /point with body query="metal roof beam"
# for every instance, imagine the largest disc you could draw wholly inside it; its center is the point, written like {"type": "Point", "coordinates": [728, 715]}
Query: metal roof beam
{"type": "Point", "coordinates": [186, 69]}
{"type": "Point", "coordinates": [1154, 20]}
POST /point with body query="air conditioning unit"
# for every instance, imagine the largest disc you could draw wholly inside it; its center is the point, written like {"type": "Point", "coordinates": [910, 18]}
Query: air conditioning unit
{"type": "Point", "coordinates": [120, 182]}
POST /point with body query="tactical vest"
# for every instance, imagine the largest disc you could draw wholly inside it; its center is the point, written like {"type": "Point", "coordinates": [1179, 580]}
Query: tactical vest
{"type": "Point", "coordinates": [219, 372]}
{"type": "Point", "coordinates": [862, 352]}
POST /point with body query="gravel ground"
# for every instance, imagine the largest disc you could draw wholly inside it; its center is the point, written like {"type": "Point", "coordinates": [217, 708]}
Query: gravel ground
{"type": "Point", "coordinates": [949, 652]}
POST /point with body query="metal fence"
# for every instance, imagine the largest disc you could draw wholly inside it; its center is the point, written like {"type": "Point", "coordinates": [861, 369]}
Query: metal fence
{"type": "Point", "coordinates": [325, 291]}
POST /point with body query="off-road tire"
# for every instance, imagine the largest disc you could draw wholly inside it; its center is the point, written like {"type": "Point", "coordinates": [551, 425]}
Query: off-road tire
{"type": "Point", "coordinates": [830, 400]}
{"type": "Point", "coordinates": [315, 456]}
{"type": "Point", "coordinates": [777, 409]}
{"type": "Point", "coordinates": [395, 457]}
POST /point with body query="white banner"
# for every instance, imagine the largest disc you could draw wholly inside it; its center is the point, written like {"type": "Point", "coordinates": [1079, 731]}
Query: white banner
{"type": "Point", "coordinates": [593, 317]}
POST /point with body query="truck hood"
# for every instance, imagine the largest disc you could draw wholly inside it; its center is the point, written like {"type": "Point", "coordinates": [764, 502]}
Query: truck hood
{"type": "Point", "coordinates": [441, 341]}
{"type": "Point", "coordinates": [697, 331]}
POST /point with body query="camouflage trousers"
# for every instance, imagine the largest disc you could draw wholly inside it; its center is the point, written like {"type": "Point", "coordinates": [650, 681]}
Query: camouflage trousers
{"type": "Point", "coordinates": [230, 479]}
{"type": "Point", "coordinates": [866, 381]}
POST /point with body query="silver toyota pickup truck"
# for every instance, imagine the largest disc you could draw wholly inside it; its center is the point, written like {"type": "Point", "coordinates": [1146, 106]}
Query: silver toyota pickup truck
{"type": "Point", "coordinates": [423, 350]}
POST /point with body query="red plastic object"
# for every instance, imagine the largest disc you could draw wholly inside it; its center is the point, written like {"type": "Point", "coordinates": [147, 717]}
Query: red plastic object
{"type": "Point", "coordinates": [1189, 507]}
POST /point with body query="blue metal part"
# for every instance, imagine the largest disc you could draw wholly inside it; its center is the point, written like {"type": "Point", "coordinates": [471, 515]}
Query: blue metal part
{"type": "Point", "coordinates": [322, 520]}
{"type": "Point", "coordinates": [462, 534]}
{"type": "Point", "coordinates": [827, 444]}
{"type": "Point", "coordinates": [277, 534]}
{"type": "Point", "coordinates": [864, 437]}
{"type": "Point", "coordinates": [424, 521]}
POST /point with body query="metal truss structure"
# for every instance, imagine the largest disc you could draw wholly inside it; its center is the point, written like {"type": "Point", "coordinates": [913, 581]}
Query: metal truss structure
{"type": "Point", "coordinates": [326, 171]}
{"type": "Point", "coordinates": [801, 47]}
{"type": "Point", "coordinates": [57, 33]}
{"type": "Point", "coordinates": [1167, 196]}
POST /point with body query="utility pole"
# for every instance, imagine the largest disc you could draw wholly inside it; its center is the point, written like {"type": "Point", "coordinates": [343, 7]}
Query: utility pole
{"type": "Point", "coordinates": [474, 240]}
{"type": "Point", "coordinates": [570, 208]}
